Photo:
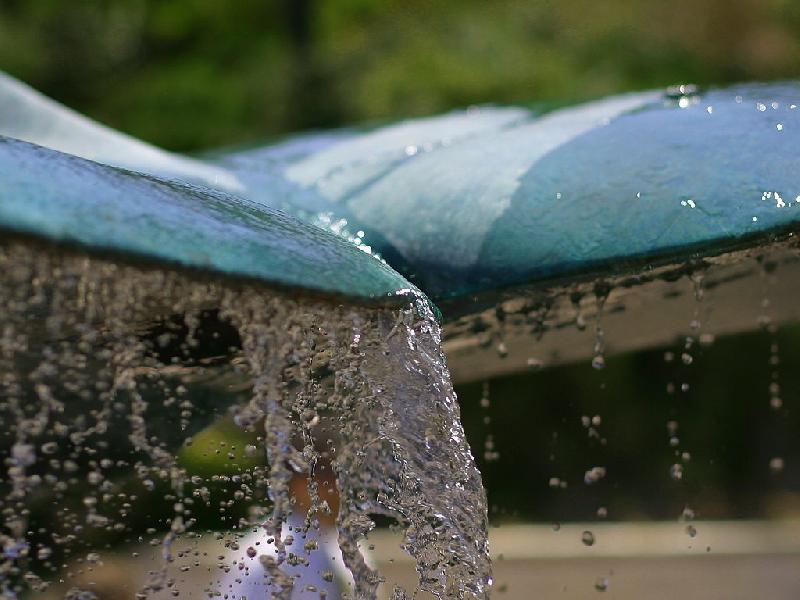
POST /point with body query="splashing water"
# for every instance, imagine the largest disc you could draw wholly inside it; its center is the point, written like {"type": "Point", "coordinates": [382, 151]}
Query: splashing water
{"type": "Point", "coordinates": [99, 365]}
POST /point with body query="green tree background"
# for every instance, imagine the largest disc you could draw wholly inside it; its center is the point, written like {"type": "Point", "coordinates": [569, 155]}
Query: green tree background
{"type": "Point", "coordinates": [194, 74]}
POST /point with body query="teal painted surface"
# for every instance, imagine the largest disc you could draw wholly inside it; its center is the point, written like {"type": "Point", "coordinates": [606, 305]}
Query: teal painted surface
{"type": "Point", "coordinates": [62, 197]}
{"type": "Point", "coordinates": [720, 171]}
{"type": "Point", "coordinates": [609, 186]}
{"type": "Point", "coordinates": [482, 199]}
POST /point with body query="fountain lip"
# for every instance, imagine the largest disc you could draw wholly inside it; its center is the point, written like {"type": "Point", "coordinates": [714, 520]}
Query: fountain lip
{"type": "Point", "coordinates": [624, 271]}
{"type": "Point", "coordinates": [648, 178]}
{"type": "Point", "coordinates": [605, 188]}
{"type": "Point", "coordinates": [398, 299]}
{"type": "Point", "coordinates": [77, 203]}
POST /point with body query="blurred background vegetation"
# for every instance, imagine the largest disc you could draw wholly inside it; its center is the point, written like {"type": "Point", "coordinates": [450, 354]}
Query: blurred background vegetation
{"type": "Point", "coordinates": [190, 75]}
{"type": "Point", "coordinates": [643, 423]}
{"type": "Point", "coordinates": [194, 74]}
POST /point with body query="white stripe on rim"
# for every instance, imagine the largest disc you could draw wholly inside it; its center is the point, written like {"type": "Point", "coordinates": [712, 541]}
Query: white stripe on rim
{"type": "Point", "coordinates": [440, 206]}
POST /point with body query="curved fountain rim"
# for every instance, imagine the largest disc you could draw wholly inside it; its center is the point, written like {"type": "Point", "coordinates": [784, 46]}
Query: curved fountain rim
{"type": "Point", "coordinates": [400, 299]}
{"type": "Point", "coordinates": [624, 271]}
{"type": "Point", "coordinates": [396, 293]}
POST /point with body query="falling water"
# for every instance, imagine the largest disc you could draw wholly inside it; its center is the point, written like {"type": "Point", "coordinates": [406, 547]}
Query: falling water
{"type": "Point", "coordinates": [99, 361]}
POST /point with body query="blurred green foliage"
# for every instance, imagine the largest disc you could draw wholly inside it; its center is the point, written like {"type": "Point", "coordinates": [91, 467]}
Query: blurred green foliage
{"type": "Point", "coordinates": [723, 419]}
{"type": "Point", "coordinates": [220, 450]}
{"type": "Point", "coordinates": [193, 74]}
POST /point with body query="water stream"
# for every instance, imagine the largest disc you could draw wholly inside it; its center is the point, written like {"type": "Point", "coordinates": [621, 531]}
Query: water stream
{"type": "Point", "coordinates": [109, 371]}
{"type": "Point", "coordinates": [113, 373]}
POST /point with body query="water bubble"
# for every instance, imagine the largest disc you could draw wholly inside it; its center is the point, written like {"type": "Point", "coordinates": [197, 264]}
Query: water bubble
{"type": "Point", "coordinates": [587, 537]}
{"type": "Point", "coordinates": [79, 594]}
{"type": "Point", "coordinates": [23, 454]}
{"type": "Point", "coordinates": [594, 475]}
{"type": "Point", "coordinates": [49, 448]}
{"type": "Point", "coordinates": [706, 339]}
{"type": "Point", "coordinates": [601, 295]}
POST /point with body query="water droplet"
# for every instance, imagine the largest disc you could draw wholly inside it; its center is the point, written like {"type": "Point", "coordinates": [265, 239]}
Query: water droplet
{"type": "Point", "coordinates": [535, 363]}
{"type": "Point", "coordinates": [602, 584]}
{"type": "Point", "coordinates": [594, 475]}
{"type": "Point", "coordinates": [23, 454]}
{"type": "Point", "coordinates": [776, 464]}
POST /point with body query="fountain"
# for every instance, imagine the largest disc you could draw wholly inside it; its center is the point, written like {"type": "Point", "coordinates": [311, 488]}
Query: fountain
{"type": "Point", "coordinates": [150, 297]}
